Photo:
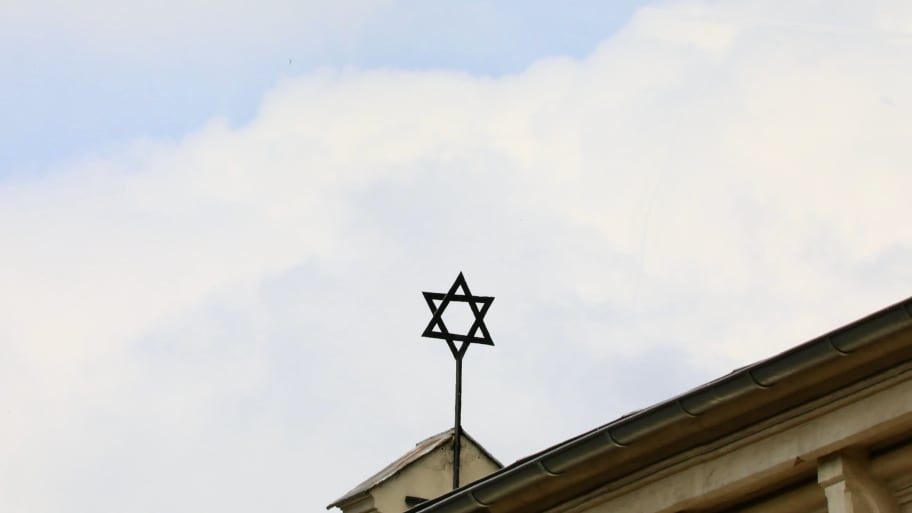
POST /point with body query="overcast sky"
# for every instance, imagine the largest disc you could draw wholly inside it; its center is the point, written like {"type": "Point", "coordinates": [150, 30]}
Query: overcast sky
{"type": "Point", "coordinates": [216, 221]}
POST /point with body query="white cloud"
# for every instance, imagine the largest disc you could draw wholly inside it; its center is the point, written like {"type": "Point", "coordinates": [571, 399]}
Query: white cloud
{"type": "Point", "coordinates": [201, 324]}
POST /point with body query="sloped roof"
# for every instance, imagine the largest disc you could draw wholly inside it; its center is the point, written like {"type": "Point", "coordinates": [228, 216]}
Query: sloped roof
{"type": "Point", "coordinates": [422, 448]}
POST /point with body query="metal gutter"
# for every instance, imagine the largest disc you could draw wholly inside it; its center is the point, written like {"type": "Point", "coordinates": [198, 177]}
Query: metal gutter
{"type": "Point", "coordinates": [628, 430]}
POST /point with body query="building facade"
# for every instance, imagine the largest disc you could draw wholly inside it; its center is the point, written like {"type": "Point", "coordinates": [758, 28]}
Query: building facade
{"type": "Point", "coordinates": [825, 426]}
{"type": "Point", "coordinates": [423, 473]}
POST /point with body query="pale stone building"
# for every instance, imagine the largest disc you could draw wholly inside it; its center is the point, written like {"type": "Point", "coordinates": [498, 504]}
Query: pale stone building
{"type": "Point", "coordinates": [423, 473]}
{"type": "Point", "coordinates": [825, 426]}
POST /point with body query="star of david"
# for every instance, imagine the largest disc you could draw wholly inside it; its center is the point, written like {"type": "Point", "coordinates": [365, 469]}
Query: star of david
{"type": "Point", "coordinates": [477, 334]}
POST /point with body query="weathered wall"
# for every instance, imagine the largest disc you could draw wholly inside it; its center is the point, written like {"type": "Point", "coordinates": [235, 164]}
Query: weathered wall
{"type": "Point", "coordinates": [902, 488]}
{"type": "Point", "coordinates": [432, 476]}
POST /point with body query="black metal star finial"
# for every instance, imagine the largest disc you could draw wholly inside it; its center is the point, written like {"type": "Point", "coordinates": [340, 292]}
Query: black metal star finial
{"type": "Point", "coordinates": [437, 329]}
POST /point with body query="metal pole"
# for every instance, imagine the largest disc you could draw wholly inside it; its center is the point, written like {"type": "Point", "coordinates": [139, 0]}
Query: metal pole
{"type": "Point", "coordinates": [457, 430]}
